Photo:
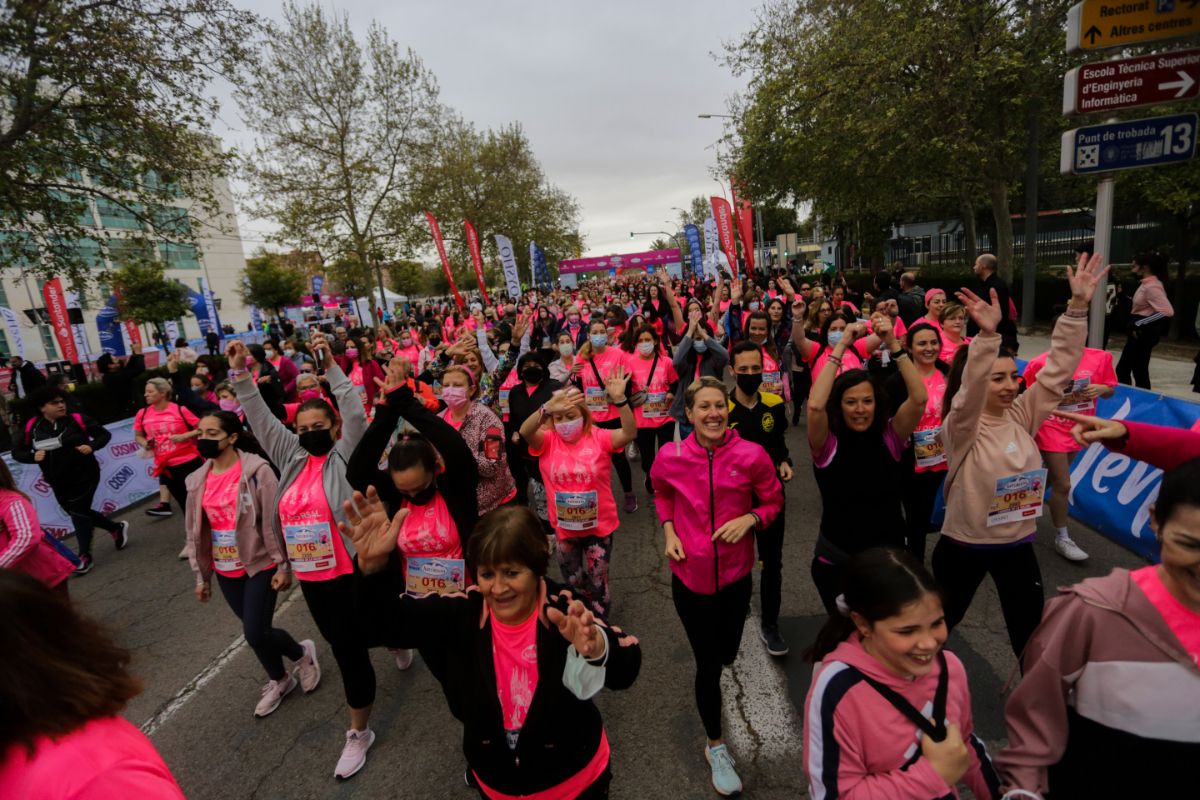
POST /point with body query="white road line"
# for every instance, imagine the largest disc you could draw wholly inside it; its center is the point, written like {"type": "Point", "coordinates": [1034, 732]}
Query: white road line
{"type": "Point", "coordinates": [760, 721]}
{"type": "Point", "coordinates": [211, 671]}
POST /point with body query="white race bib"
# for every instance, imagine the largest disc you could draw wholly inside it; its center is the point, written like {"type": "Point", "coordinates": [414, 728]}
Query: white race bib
{"type": "Point", "coordinates": [577, 511]}
{"type": "Point", "coordinates": [225, 551]}
{"type": "Point", "coordinates": [310, 546]}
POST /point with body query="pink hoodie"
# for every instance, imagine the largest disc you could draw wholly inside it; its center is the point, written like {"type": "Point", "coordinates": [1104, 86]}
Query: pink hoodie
{"type": "Point", "coordinates": [699, 490]}
{"type": "Point", "coordinates": [857, 745]}
{"type": "Point", "coordinates": [22, 546]}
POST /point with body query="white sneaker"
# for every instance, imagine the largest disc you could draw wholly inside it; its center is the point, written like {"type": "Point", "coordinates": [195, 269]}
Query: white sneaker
{"type": "Point", "coordinates": [273, 694]}
{"type": "Point", "coordinates": [307, 667]}
{"type": "Point", "coordinates": [1068, 549]}
{"type": "Point", "coordinates": [404, 658]}
{"type": "Point", "coordinates": [183, 554]}
{"type": "Point", "coordinates": [354, 754]}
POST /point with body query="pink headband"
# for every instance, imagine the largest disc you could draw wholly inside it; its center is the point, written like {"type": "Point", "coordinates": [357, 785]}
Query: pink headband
{"type": "Point", "coordinates": [470, 372]}
{"type": "Point", "coordinates": [932, 292]}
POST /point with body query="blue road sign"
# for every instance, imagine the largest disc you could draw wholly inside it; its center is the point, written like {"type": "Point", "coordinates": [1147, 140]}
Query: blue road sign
{"type": "Point", "coordinates": [1129, 145]}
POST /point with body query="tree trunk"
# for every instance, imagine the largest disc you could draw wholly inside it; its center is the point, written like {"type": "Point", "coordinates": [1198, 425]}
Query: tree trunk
{"type": "Point", "coordinates": [966, 210]}
{"type": "Point", "coordinates": [1183, 228]}
{"type": "Point", "coordinates": [998, 192]}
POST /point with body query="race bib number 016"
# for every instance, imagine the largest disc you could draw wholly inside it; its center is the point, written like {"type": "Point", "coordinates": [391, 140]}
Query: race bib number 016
{"type": "Point", "coordinates": [434, 576]}
{"type": "Point", "coordinates": [310, 547]}
{"type": "Point", "coordinates": [1018, 497]}
{"type": "Point", "coordinates": [577, 511]}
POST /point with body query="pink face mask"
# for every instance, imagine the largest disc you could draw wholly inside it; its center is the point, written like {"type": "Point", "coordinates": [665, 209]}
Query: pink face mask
{"type": "Point", "coordinates": [310, 394]}
{"type": "Point", "coordinates": [229, 404]}
{"type": "Point", "coordinates": [455, 396]}
{"type": "Point", "coordinates": [570, 430]}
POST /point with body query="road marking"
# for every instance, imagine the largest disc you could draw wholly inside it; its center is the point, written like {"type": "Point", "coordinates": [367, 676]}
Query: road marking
{"type": "Point", "coordinates": [181, 698]}
{"type": "Point", "coordinates": [760, 721]}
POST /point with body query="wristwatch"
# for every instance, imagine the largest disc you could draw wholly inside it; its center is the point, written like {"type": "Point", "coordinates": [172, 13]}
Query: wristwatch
{"type": "Point", "coordinates": [622, 404]}
{"type": "Point", "coordinates": [758, 523]}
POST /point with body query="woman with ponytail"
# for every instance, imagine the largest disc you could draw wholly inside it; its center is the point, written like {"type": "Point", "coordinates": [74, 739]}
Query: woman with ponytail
{"type": "Point", "coordinates": [889, 710]}
{"type": "Point", "coordinates": [231, 499]}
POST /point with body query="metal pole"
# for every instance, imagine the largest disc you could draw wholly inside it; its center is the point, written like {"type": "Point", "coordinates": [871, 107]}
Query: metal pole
{"type": "Point", "coordinates": [382, 296]}
{"type": "Point", "coordinates": [1029, 274]}
{"type": "Point", "coordinates": [762, 242]}
{"type": "Point", "coordinates": [41, 326]}
{"type": "Point", "coordinates": [1103, 247]}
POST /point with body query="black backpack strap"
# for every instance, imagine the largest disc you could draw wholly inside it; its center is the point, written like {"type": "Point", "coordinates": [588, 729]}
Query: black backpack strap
{"type": "Point", "coordinates": [595, 371]}
{"type": "Point", "coordinates": [936, 729]}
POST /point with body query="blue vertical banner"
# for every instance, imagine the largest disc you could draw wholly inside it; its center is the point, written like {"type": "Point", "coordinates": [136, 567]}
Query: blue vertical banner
{"type": "Point", "coordinates": [108, 326]}
{"type": "Point", "coordinates": [200, 312]}
{"type": "Point", "coordinates": [318, 283]}
{"type": "Point", "coordinates": [210, 305]}
{"type": "Point", "coordinates": [541, 270]}
{"type": "Point", "coordinates": [693, 240]}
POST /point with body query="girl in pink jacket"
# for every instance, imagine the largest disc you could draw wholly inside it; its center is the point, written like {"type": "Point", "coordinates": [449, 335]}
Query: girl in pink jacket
{"type": "Point", "coordinates": [888, 715]}
{"type": "Point", "coordinates": [22, 544]}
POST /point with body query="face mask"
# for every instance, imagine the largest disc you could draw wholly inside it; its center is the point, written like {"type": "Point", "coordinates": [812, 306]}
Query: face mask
{"type": "Point", "coordinates": [570, 430]}
{"type": "Point", "coordinates": [317, 442]}
{"type": "Point", "coordinates": [754, 305]}
{"type": "Point", "coordinates": [351, 352]}
{"type": "Point", "coordinates": [425, 495]}
{"type": "Point", "coordinates": [533, 374]}
{"type": "Point", "coordinates": [566, 349]}
{"type": "Point", "coordinates": [269, 353]}
{"type": "Point", "coordinates": [646, 348]}
{"type": "Point", "coordinates": [310, 394]}
{"type": "Point", "coordinates": [749, 382]}
{"type": "Point", "coordinates": [833, 338]}
{"type": "Point", "coordinates": [229, 404]}
{"type": "Point", "coordinates": [598, 340]}
{"type": "Point", "coordinates": [573, 319]}
{"type": "Point", "coordinates": [434, 341]}
{"type": "Point", "coordinates": [700, 347]}
{"type": "Point", "coordinates": [455, 396]}
{"type": "Point", "coordinates": [406, 341]}
{"type": "Point", "coordinates": [289, 352]}
{"type": "Point", "coordinates": [210, 448]}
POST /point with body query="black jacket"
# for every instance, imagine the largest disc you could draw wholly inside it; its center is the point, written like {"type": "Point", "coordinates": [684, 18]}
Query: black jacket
{"type": "Point", "coordinates": [1007, 327]}
{"type": "Point", "coordinates": [522, 403]}
{"type": "Point", "coordinates": [765, 425]}
{"type": "Point", "coordinates": [561, 732]}
{"type": "Point", "coordinates": [69, 472]}
{"type": "Point", "coordinates": [31, 379]}
{"type": "Point", "coordinates": [120, 383]}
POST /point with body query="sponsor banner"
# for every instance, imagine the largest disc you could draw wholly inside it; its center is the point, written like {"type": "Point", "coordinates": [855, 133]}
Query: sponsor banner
{"type": "Point", "coordinates": [441, 248]}
{"type": "Point", "coordinates": [60, 321]}
{"type": "Point", "coordinates": [723, 215]}
{"type": "Point", "coordinates": [13, 325]}
{"type": "Point", "coordinates": [109, 328]}
{"type": "Point", "coordinates": [171, 328]}
{"type": "Point", "coordinates": [1112, 492]}
{"type": "Point", "coordinates": [210, 307]}
{"type": "Point", "coordinates": [693, 239]}
{"type": "Point", "coordinates": [745, 224]}
{"type": "Point", "coordinates": [541, 270]}
{"type": "Point", "coordinates": [640, 261]}
{"type": "Point", "coordinates": [476, 258]}
{"type": "Point", "coordinates": [78, 329]}
{"type": "Point", "coordinates": [508, 259]}
{"type": "Point", "coordinates": [200, 312]}
{"type": "Point", "coordinates": [318, 283]}
{"type": "Point", "coordinates": [256, 323]}
{"type": "Point", "coordinates": [125, 479]}
{"type": "Point", "coordinates": [711, 262]}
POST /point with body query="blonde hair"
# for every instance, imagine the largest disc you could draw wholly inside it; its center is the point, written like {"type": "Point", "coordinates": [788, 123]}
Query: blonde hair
{"type": "Point", "coordinates": [161, 384]}
{"type": "Point", "coordinates": [705, 382]}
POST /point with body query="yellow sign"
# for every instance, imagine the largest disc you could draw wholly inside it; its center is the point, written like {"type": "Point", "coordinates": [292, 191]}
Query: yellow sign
{"type": "Point", "coordinates": [1103, 24]}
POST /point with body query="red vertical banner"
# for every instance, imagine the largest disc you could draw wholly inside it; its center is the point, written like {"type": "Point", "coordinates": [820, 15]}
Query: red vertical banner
{"type": "Point", "coordinates": [476, 258]}
{"type": "Point", "coordinates": [745, 223]}
{"type": "Point", "coordinates": [723, 215]}
{"type": "Point", "coordinates": [131, 329]}
{"type": "Point", "coordinates": [60, 320]}
{"type": "Point", "coordinates": [441, 248]}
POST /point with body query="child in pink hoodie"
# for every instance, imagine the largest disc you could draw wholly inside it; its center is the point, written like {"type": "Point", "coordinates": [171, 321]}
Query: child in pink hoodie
{"type": "Point", "coordinates": [888, 715]}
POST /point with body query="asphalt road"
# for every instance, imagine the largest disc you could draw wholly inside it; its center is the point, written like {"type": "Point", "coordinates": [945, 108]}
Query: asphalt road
{"type": "Point", "coordinates": [201, 683]}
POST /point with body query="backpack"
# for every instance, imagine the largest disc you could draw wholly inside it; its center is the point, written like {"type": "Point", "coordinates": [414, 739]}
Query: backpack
{"type": "Point", "coordinates": [33, 420]}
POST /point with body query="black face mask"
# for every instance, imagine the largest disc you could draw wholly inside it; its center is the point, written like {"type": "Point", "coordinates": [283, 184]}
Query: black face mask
{"type": "Point", "coordinates": [425, 495]}
{"type": "Point", "coordinates": [749, 382]}
{"type": "Point", "coordinates": [317, 442]}
{"type": "Point", "coordinates": [434, 341]}
{"type": "Point", "coordinates": [209, 448]}
{"type": "Point", "coordinates": [533, 374]}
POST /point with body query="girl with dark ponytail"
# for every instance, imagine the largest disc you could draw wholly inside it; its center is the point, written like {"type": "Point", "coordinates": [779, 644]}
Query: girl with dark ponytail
{"type": "Point", "coordinates": [889, 710]}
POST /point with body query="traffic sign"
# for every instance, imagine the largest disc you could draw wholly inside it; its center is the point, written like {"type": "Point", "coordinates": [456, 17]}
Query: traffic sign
{"type": "Point", "coordinates": [1132, 82]}
{"type": "Point", "coordinates": [1103, 24]}
{"type": "Point", "coordinates": [1129, 145]}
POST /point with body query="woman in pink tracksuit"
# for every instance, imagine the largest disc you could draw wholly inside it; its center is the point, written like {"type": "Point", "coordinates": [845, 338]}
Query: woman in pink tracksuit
{"type": "Point", "coordinates": [22, 545]}
{"type": "Point", "coordinates": [888, 714]}
{"type": "Point", "coordinates": [712, 491]}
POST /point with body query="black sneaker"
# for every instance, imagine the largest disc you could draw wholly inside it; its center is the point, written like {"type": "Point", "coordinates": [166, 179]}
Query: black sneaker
{"type": "Point", "coordinates": [121, 535]}
{"type": "Point", "coordinates": [771, 637]}
{"type": "Point", "coordinates": [160, 510]}
{"type": "Point", "coordinates": [85, 565]}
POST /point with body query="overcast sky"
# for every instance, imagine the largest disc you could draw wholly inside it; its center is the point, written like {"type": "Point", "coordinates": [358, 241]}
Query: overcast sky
{"type": "Point", "coordinates": [608, 93]}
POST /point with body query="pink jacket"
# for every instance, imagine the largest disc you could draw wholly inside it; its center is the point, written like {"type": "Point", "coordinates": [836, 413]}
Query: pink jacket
{"type": "Point", "coordinates": [858, 745]}
{"type": "Point", "coordinates": [699, 490]}
{"type": "Point", "coordinates": [22, 545]}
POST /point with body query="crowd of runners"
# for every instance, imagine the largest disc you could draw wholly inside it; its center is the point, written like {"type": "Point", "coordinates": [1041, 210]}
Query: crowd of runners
{"type": "Point", "coordinates": [442, 486]}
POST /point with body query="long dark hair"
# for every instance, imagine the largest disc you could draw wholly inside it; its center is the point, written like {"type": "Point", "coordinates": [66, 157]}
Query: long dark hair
{"type": "Point", "coordinates": [410, 450]}
{"type": "Point", "coordinates": [231, 424]}
{"type": "Point", "coordinates": [847, 381]}
{"type": "Point", "coordinates": [64, 669]}
{"type": "Point", "coordinates": [957, 367]}
{"type": "Point", "coordinates": [877, 583]}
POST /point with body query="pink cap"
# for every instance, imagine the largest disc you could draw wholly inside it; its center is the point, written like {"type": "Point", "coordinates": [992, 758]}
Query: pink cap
{"type": "Point", "coordinates": [929, 295]}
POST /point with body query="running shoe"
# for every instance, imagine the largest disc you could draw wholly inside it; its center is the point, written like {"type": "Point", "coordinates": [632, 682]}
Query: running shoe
{"type": "Point", "coordinates": [773, 639]}
{"type": "Point", "coordinates": [85, 565]}
{"type": "Point", "coordinates": [183, 554]}
{"type": "Point", "coordinates": [121, 535]}
{"type": "Point", "coordinates": [724, 777]}
{"type": "Point", "coordinates": [273, 694]}
{"type": "Point", "coordinates": [160, 510]}
{"type": "Point", "coordinates": [354, 754]}
{"type": "Point", "coordinates": [404, 658]}
{"type": "Point", "coordinates": [1066, 548]}
{"type": "Point", "coordinates": [632, 452]}
{"type": "Point", "coordinates": [630, 502]}
{"type": "Point", "coordinates": [307, 667]}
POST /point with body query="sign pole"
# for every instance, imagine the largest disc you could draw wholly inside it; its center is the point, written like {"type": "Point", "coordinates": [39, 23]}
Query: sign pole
{"type": "Point", "coordinates": [1103, 246]}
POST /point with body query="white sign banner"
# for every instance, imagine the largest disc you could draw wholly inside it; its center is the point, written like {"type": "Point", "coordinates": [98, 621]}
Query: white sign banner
{"type": "Point", "coordinates": [15, 338]}
{"type": "Point", "coordinates": [509, 261]}
{"type": "Point", "coordinates": [172, 329]}
{"type": "Point", "coordinates": [125, 479]}
{"type": "Point", "coordinates": [710, 248]}
{"type": "Point", "coordinates": [79, 330]}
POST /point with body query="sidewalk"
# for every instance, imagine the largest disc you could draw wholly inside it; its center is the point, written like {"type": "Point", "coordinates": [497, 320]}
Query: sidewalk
{"type": "Point", "coordinates": [1171, 367]}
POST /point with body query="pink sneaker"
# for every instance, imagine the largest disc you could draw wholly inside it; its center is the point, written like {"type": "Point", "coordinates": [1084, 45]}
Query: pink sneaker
{"type": "Point", "coordinates": [273, 694]}
{"type": "Point", "coordinates": [404, 657]}
{"type": "Point", "coordinates": [308, 668]}
{"type": "Point", "coordinates": [354, 754]}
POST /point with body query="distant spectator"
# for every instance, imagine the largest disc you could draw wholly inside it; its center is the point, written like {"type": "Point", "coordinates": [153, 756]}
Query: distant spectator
{"type": "Point", "coordinates": [118, 377]}
{"type": "Point", "coordinates": [911, 299]}
{"type": "Point", "coordinates": [26, 377]}
{"type": "Point", "coordinates": [212, 340]}
{"type": "Point", "coordinates": [985, 269]}
{"type": "Point", "coordinates": [1149, 318]}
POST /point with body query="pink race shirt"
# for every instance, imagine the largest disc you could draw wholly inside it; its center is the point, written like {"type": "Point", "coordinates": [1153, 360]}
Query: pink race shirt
{"type": "Point", "coordinates": [578, 483]}
{"type": "Point", "coordinates": [1182, 621]}
{"type": "Point", "coordinates": [773, 378]}
{"type": "Point", "coordinates": [161, 426]}
{"type": "Point", "coordinates": [950, 348]}
{"type": "Point", "coordinates": [850, 359]}
{"type": "Point", "coordinates": [220, 506]}
{"type": "Point", "coordinates": [514, 656]}
{"type": "Point", "coordinates": [428, 531]}
{"type": "Point", "coordinates": [928, 448]}
{"type": "Point", "coordinates": [356, 378]}
{"type": "Point", "coordinates": [1096, 366]}
{"type": "Point", "coordinates": [593, 390]}
{"type": "Point", "coordinates": [654, 412]}
{"type": "Point", "coordinates": [314, 544]}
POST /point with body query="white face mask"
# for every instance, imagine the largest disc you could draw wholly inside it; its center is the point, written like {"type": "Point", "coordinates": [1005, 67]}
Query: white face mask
{"type": "Point", "coordinates": [570, 430]}
{"type": "Point", "coordinates": [289, 352]}
{"type": "Point", "coordinates": [566, 349]}
{"type": "Point", "coordinates": [646, 348]}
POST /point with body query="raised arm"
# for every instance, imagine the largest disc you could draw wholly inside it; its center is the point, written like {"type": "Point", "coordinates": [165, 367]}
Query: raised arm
{"type": "Point", "coordinates": [818, 417]}
{"type": "Point", "coordinates": [804, 345]}
{"type": "Point", "coordinates": [908, 415]}
{"type": "Point", "coordinates": [664, 284]}
{"type": "Point", "coordinates": [615, 385]}
{"type": "Point", "coordinates": [279, 442]}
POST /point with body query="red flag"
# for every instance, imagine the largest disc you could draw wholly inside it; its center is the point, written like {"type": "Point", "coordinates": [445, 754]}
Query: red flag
{"type": "Point", "coordinates": [60, 320]}
{"type": "Point", "coordinates": [723, 215]}
{"type": "Point", "coordinates": [745, 224]}
{"type": "Point", "coordinates": [131, 328]}
{"type": "Point", "coordinates": [441, 248]}
{"type": "Point", "coordinates": [476, 258]}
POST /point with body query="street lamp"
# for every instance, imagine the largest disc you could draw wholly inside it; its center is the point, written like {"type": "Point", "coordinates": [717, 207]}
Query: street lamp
{"type": "Point", "coordinates": [716, 116]}
{"type": "Point", "coordinates": [673, 236]}
{"type": "Point", "coordinates": [761, 245]}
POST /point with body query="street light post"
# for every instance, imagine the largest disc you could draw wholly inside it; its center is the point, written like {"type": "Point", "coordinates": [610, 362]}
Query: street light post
{"type": "Point", "coordinates": [673, 236]}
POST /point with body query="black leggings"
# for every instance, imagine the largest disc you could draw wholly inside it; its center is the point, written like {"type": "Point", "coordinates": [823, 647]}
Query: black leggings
{"type": "Point", "coordinates": [920, 495]}
{"type": "Point", "coordinates": [801, 385]}
{"type": "Point", "coordinates": [960, 569]}
{"type": "Point", "coordinates": [1133, 368]}
{"type": "Point", "coordinates": [770, 553]}
{"type": "Point", "coordinates": [253, 600]}
{"type": "Point", "coordinates": [713, 624]}
{"type": "Point", "coordinates": [649, 440]}
{"type": "Point", "coordinates": [174, 479]}
{"type": "Point", "coordinates": [331, 604]}
{"type": "Point", "coordinates": [619, 461]}
{"type": "Point", "coordinates": [86, 518]}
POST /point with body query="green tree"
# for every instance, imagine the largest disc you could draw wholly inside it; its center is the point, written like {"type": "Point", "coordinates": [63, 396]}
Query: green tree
{"type": "Point", "coordinates": [147, 297]}
{"type": "Point", "coordinates": [271, 284]}
{"type": "Point", "coordinates": [408, 277]}
{"type": "Point", "coordinates": [105, 101]}
{"type": "Point", "coordinates": [340, 128]}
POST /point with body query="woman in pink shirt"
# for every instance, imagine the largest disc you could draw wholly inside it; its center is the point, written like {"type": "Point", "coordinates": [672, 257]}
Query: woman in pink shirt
{"type": "Point", "coordinates": [1149, 318]}
{"type": "Point", "coordinates": [483, 432]}
{"type": "Point", "coordinates": [599, 360]}
{"type": "Point", "coordinates": [574, 456]}
{"type": "Point", "coordinates": [953, 323]}
{"type": "Point", "coordinates": [167, 430]}
{"type": "Point", "coordinates": [654, 382]}
{"type": "Point", "coordinates": [63, 735]}
{"type": "Point", "coordinates": [23, 546]}
{"type": "Point", "coordinates": [935, 301]}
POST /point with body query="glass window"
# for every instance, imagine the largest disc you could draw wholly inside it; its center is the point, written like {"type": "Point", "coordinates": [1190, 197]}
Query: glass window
{"type": "Point", "coordinates": [17, 249]}
{"type": "Point", "coordinates": [122, 251]}
{"type": "Point", "coordinates": [172, 219]}
{"type": "Point", "coordinates": [179, 256]}
{"type": "Point", "coordinates": [114, 215]}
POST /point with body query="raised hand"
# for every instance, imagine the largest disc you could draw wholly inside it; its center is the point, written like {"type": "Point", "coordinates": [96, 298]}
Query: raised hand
{"type": "Point", "coordinates": [614, 384]}
{"type": "Point", "coordinates": [1086, 277]}
{"type": "Point", "coordinates": [986, 315]}
{"type": "Point", "coordinates": [786, 287]}
{"type": "Point", "coordinates": [851, 334]}
{"type": "Point", "coordinates": [237, 353]}
{"type": "Point", "coordinates": [519, 329]}
{"type": "Point", "coordinates": [562, 400]}
{"type": "Point", "coordinates": [881, 325]}
{"type": "Point", "coordinates": [173, 362]}
{"type": "Point", "coordinates": [368, 527]}
{"type": "Point", "coordinates": [578, 626]}
{"type": "Point", "coordinates": [735, 291]}
{"type": "Point", "coordinates": [1089, 430]}
{"type": "Point", "coordinates": [396, 376]}
{"type": "Point", "coordinates": [321, 353]}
